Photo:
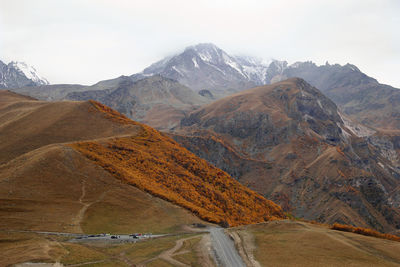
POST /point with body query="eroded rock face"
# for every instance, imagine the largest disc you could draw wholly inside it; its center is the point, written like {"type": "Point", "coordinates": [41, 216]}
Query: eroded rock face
{"type": "Point", "coordinates": [157, 101]}
{"type": "Point", "coordinates": [249, 116]}
{"type": "Point", "coordinates": [289, 142]}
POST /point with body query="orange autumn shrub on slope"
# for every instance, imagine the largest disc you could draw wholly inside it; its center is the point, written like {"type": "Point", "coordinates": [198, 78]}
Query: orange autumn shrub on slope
{"type": "Point", "coordinates": [364, 231]}
{"type": "Point", "coordinates": [158, 165]}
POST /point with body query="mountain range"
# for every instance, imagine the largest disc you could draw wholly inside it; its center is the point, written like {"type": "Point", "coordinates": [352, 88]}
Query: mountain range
{"type": "Point", "coordinates": [329, 137]}
{"type": "Point", "coordinates": [209, 70]}
{"type": "Point", "coordinates": [243, 143]}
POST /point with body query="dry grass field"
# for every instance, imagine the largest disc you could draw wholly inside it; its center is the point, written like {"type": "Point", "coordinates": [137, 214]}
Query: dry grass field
{"type": "Point", "coordinates": [294, 243]}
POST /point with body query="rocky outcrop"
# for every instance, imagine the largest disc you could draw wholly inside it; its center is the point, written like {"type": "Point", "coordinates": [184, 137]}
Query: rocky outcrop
{"type": "Point", "coordinates": [289, 142]}
{"type": "Point", "coordinates": [358, 95]}
{"type": "Point", "coordinates": [156, 100]}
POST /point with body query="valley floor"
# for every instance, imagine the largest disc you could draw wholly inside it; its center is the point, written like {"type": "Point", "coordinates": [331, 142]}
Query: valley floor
{"type": "Point", "coordinates": [276, 243]}
{"type": "Point", "coordinates": [30, 249]}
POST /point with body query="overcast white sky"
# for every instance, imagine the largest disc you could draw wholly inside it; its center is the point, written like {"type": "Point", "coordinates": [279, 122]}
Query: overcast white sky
{"type": "Point", "coordinates": [84, 41]}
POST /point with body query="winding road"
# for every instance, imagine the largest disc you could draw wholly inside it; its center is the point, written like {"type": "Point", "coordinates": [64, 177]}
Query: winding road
{"type": "Point", "coordinates": [225, 248]}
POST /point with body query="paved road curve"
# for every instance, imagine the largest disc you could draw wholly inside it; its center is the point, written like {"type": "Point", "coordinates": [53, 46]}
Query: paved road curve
{"type": "Point", "coordinates": [225, 248]}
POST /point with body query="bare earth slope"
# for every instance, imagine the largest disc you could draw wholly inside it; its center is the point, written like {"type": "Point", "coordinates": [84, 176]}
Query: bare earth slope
{"type": "Point", "coordinates": [289, 142]}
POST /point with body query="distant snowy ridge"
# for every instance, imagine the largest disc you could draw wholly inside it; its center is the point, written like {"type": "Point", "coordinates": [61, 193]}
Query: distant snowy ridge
{"type": "Point", "coordinates": [207, 67]}
{"type": "Point", "coordinates": [19, 74]}
{"type": "Point", "coordinates": [30, 72]}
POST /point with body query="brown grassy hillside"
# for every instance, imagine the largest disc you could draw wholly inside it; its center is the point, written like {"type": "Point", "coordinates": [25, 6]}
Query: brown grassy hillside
{"type": "Point", "coordinates": [46, 185]}
{"type": "Point", "coordinates": [55, 188]}
{"type": "Point", "coordinates": [26, 124]}
{"type": "Point", "coordinates": [293, 243]}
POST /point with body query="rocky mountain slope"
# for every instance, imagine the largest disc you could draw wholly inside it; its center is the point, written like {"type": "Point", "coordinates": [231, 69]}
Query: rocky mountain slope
{"type": "Point", "coordinates": [19, 74]}
{"type": "Point", "coordinates": [77, 166]}
{"type": "Point", "coordinates": [207, 67]}
{"type": "Point", "coordinates": [158, 101]}
{"type": "Point", "coordinates": [289, 142]}
{"type": "Point", "coordinates": [358, 95]}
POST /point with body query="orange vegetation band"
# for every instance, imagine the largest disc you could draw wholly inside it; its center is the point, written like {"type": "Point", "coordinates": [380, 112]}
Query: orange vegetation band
{"type": "Point", "coordinates": [364, 231]}
{"type": "Point", "coordinates": [156, 164]}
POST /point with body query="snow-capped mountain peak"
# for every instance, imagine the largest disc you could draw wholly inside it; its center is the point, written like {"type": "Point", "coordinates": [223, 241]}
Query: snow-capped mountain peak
{"type": "Point", "coordinates": [204, 66]}
{"type": "Point", "coordinates": [207, 67]}
{"type": "Point", "coordinates": [29, 72]}
{"type": "Point", "coordinates": [19, 74]}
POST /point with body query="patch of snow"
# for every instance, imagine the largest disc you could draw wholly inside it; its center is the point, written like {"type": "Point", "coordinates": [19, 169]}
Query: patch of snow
{"type": "Point", "coordinates": [215, 67]}
{"type": "Point", "coordinates": [357, 129]}
{"type": "Point", "coordinates": [195, 63]}
{"type": "Point", "coordinates": [295, 65]}
{"type": "Point", "coordinates": [345, 132]}
{"type": "Point", "coordinates": [319, 103]}
{"type": "Point", "coordinates": [205, 56]}
{"type": "Point", "coordinates": [178, 71]}
{"type": "Point", "coordinates": [255, 71]}
{"type": "Point", "coordinates": [352, 67]}
{"type": "Point", "coordinates": [227, 60]}
{"type": "Point", "coordinates": [307, 117]}
{"type": "Point", "coordinates": [29, 72]}
{"type": "Point", "coordinates": [253, 67]}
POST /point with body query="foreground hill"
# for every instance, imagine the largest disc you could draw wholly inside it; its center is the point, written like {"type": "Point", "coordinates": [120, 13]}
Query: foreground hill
{"type": "Point", "coordinates": [156, 164]}
{"type": "Point", "coordinates": [289, 142]}
{"type": "Point", "coordinates": [26, 124]}
{"type": "Point", "coordinates": [55, 188]}
{"type": "Point", "coordinates": [47, 185]}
